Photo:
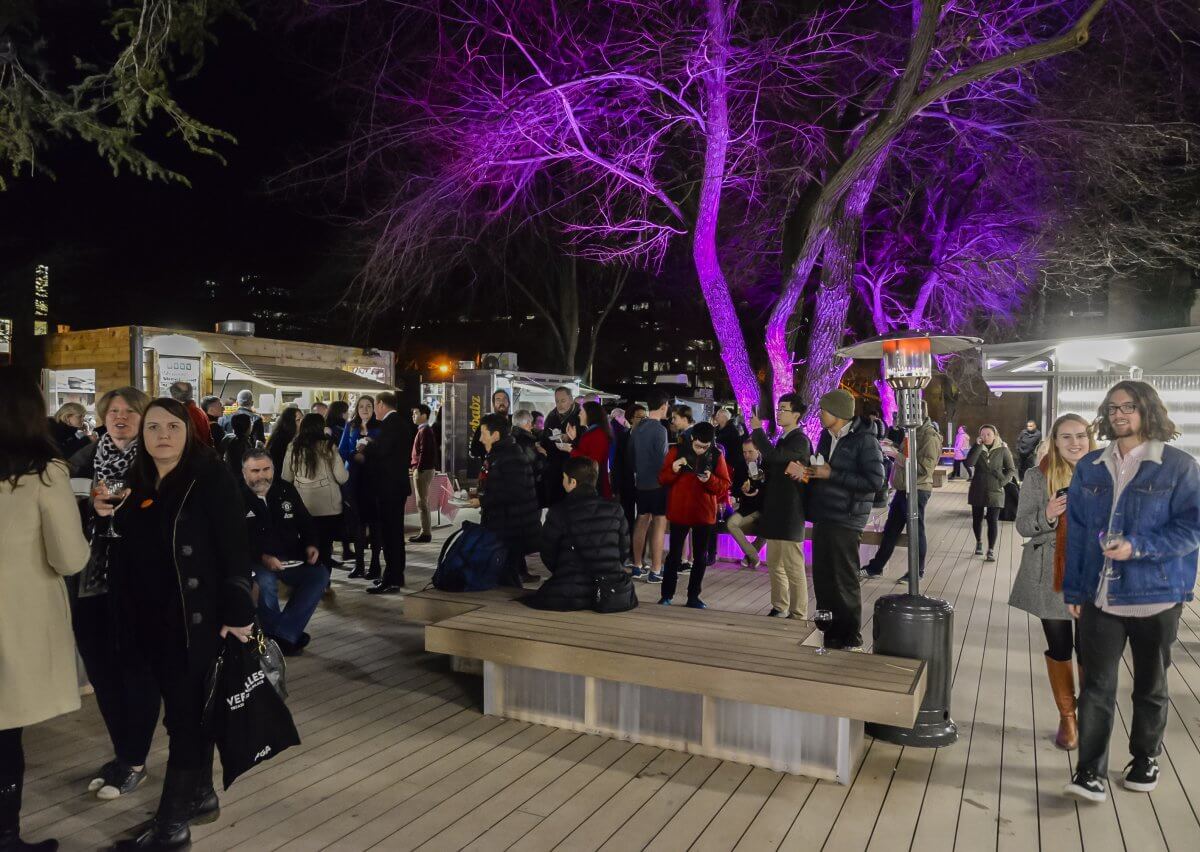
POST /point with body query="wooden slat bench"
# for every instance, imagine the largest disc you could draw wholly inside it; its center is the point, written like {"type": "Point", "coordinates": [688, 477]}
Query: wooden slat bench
{"type": "Point", "coordinates": [728, 685]}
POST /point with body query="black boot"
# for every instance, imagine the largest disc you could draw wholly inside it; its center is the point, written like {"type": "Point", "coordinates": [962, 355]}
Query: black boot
{"type": "Point", "coordinates": [10, 823]}
{"type": "Point", "coordinates": [206, 806]}
{"type": "Point", "coordinates": [169, 828]}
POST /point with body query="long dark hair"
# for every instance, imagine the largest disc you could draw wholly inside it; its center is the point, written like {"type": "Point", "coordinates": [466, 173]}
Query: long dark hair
{"type": "Point", "coordinates": [143, 473]}
{"type": "Point", "coordinates": [597, 417]}
{"type": "Point", "coordinates": [356, 421]}
{"type": "Point", "coordinates": [310, 446]}
{"type": "Point", "coordinates": [25, 443]}
{"type": "Point", "coordinates": [282, 434]}
{"type": "Point", "coordinates": [335, 418]}
{"type": "Point", "coordinates": [1156, 424]}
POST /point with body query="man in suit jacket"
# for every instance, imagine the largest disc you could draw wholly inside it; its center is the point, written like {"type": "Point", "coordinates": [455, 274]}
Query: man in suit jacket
{"type": "Point", "coordinates": [387, 459]}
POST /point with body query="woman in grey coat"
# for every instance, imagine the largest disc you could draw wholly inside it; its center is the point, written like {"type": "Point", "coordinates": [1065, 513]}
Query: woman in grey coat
{"type": "Point", "coordinates": [1038, 586]}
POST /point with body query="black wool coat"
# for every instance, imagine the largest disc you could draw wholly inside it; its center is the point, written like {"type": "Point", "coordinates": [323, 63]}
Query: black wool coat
{"type": "Point", "coordinates": [782, 514]}
{"type": "Point", "coordinates": [584, 536]}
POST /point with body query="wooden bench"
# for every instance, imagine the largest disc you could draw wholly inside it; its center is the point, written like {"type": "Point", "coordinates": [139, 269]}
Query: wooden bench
{"type": "Point", "coordinates": [728, 685]}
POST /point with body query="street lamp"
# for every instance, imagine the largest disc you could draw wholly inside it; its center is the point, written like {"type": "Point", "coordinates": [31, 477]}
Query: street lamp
{"type": "Point", "coordinates": [913, 625]}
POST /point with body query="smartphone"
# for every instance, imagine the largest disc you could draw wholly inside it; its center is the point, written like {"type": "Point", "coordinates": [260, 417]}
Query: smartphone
{"type": "Point", "coordinates": [752, 469]}
{"type": "Point", "coordinates": [1062, 492]}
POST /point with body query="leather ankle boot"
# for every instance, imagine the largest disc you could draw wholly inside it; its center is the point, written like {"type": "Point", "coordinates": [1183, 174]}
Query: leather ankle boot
{"type": "Point", "coordinates": [206, 807]}
{"type": "Point", "coordinates": [10, 823]}
{"type": "Point", "coordinates": [168, 831]}
{"type": "Point", "coordinates": [1062, 684]}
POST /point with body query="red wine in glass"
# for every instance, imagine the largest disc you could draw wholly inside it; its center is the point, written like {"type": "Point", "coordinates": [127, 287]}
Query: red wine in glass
{"type": "Point", "coordinates": [114, 497]}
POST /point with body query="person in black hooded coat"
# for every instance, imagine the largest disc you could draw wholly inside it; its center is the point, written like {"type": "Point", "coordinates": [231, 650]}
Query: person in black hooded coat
{"type": "Point", "coordinates": [508, 499]}
{"type": "Point", "coordinates": [584, 536]}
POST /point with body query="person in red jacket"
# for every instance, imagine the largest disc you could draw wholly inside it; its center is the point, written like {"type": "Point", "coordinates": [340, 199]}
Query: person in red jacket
{"type": "Point", "coordinates": [182, 392]}
{"type": "Point", "coordinates": [594, 443]}
{"type": "Point", "coordinates": [696, 477]}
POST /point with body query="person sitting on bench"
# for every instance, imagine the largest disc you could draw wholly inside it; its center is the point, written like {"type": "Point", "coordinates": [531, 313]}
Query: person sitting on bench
{"type": "Point", "coordinates": [584, 536]}
{"type": "Point", "coordinates": [283, 547]}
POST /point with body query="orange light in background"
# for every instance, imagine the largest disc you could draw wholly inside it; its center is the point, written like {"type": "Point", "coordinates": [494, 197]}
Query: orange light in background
{"type": "Point", "coordinates": [443, 369]}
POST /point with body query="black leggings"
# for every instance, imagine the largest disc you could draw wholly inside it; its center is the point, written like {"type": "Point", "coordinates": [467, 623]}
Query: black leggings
{"type": "Point", "coordinates": [12, 773]}
{"type": "Point", "coordinates": [993, 523]}
{"type": "Point", "coordinates": [1060, 638]}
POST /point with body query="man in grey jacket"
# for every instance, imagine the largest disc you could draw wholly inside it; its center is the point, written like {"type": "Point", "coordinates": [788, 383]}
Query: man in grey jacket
{"type": "Point", "coordinates": [648, 446]}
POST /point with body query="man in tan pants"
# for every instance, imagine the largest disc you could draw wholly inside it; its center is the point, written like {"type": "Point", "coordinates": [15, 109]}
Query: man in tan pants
{"type": "Point", "coordinates": [781, 520]}
{"type": "Point", "coordinates": [423, 466]}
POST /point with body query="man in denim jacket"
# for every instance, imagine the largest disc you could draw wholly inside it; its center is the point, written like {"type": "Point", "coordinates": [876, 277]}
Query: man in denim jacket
{"type": "Point", "coordinates": [1133, 534]}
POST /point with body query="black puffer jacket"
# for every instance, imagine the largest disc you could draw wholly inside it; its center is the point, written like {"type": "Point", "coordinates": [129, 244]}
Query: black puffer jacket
{"type": "Point", "coordinates": [856, 474]}
{"type": "Point", "coordinates": [528, 442]}
{"type": "Point", "coordinates": [508, 501]}
{"type": "Point", "coordinates": [584, 536]}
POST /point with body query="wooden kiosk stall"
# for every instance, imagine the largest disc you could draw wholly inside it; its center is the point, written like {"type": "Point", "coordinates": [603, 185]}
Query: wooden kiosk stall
{"type": "Point", "coordinates": [222, 362]}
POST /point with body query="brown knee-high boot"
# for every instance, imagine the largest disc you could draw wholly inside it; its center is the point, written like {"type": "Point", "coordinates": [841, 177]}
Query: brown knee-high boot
{"type": "Point", "coordinates": [1062, 683]}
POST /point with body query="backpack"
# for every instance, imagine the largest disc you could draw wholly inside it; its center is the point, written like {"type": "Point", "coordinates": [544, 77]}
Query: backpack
{"type": "Point", "coordinates": [473, 559]}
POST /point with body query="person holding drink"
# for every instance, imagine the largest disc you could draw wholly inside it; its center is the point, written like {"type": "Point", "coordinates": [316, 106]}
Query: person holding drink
{"type": "Point", "coordinates": [1038, 586]}
{"type": "Point", "coordinates": [1133, 537]}
{"type": "Point", "coordinates": [127, 695]}
{"type": "Point", "coordinates": [180, 581]}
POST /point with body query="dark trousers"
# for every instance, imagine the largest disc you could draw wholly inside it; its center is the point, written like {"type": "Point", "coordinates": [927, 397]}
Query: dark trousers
{"type": "Point", "coordinates": [628, 498]}
{"type": "Point", "coordinates": [328, 527]}
{"type": "Point", "coordinates": [992, 513]}
{"type": "Point", "coordinates": [12, 777]}
{"type": "Point", "coordinates": [127, 694]}
{"type": "Point", "coordinates": [359, 519]}
{"type": "Point", "coordinates": [179, 677]}
{"type": "Point", "coordinates": [835, 582]}
{"type": "Point", "coordinates": [1024, 463]}
{"type": "Point", "coordinates": [391, 529]}
{"type": "Point", "coordinates": [679, 534]}
{"type": "Point", "coordinates": [960, 465]}
{"type": "Point", "coordinates": [307, 583]}
{"type": "Point", "coordinates": [1102, 639]}
{"type": "Point", "coordinates": [897, 519]}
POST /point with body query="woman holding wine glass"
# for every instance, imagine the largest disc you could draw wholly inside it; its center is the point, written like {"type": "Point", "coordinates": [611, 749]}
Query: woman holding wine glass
{"type": "Point", "coordinates": [126, 695]}
{"type": "Point", "coordinates": [39, 526]}
{"type": "Point", "coordinates": [180, 581]}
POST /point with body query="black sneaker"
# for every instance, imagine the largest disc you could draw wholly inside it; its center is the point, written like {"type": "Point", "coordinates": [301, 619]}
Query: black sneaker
{"type": "Point", "coordinates": [1086, 786]}
{"type": "Point", "coordinates": [685, 568]}
{"type": "Point", "coordinates": [774, 613]}
{"type": "Point", "coordinates": [978, 549]}
{"type": "Point", "coordinates": [1142, 775]}
{"type": "Point", "coordinates": [124, 780]}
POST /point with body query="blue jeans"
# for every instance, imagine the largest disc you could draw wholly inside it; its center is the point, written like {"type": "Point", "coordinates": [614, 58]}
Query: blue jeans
{"type": "Point", "coordinates": [307, 583]}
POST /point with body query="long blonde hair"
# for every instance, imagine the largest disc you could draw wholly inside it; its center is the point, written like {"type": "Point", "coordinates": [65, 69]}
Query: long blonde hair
{"type": "Point", "coordinates": [1057, 469]}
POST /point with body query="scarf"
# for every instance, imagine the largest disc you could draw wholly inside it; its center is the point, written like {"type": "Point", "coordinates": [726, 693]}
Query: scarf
{"type": "Point", "coordinates": [1060, 534]}
{"type": "Point", "coordinates": [111, 462]}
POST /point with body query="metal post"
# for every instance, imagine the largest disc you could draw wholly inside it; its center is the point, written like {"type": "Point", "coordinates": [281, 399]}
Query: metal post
{"type": "Point", "coordinates": [914, 513]}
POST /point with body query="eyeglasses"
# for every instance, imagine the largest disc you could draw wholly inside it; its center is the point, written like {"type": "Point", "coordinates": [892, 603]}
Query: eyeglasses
{"type": "Point", "coordinates": [1124, 408]}
{"type": "Point", "coordinates": [783, 410]}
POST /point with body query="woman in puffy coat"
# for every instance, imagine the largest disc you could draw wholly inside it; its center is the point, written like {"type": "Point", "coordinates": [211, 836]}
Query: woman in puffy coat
{"type": "Point", "coordinates": [585, 536]}
{"type": "Point", "coordinates": [594, 443]}
{"type": "Point", "coordinates": [962, 448]}
{"type": "Point", "coordinates": [993, 467]}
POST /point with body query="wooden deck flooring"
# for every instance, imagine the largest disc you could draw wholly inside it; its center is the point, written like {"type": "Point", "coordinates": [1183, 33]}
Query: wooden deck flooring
{"type": "Point", "coordinates": [397, 755]}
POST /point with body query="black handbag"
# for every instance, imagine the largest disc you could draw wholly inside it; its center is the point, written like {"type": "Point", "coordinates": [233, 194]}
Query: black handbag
{"type": "Point", "coordinates": [93, 579]}
{"type": "Point", "coordinates": [614, 592]}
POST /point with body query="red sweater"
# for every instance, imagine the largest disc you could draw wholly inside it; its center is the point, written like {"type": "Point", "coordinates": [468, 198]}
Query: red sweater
{"type": "Point", "coordinates": [594, 444]}
{"type": "Point", "coordinates": [691, 502]}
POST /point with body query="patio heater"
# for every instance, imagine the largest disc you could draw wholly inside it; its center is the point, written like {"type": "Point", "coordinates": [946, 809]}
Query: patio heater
{"type": "Point", "coordinates": [914, 625]}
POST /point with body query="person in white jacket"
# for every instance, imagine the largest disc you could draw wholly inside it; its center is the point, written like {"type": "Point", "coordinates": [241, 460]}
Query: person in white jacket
{"type": "Point", "coordinates": [43, 542]}
{"type": "Point", "coordinates": [314, 467]}
{"type": "Point", "coordinates": [962, 448]}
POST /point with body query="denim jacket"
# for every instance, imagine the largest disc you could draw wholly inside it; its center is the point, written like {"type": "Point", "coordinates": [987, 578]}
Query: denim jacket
{"type": "Point", "coordinates": [1159, 513]}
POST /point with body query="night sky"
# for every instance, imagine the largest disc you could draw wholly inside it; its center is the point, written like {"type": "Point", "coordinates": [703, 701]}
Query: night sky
{"type": "Point", "coordinates": [127, 250]}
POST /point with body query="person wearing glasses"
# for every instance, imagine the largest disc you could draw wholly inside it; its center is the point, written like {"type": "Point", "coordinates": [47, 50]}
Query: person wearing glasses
{"type": "Point", "coordinates": [1133, 535]}
{"type": "Point", "coordinates": [781, 518]}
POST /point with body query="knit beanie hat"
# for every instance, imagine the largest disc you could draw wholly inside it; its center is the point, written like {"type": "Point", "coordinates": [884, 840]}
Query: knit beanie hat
{"type": "Point", "coordinates": [839, 403]}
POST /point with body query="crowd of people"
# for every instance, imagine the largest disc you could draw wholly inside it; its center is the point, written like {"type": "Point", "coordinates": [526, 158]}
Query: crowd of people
{"type": "Point", "coordinates": [1111, 546]}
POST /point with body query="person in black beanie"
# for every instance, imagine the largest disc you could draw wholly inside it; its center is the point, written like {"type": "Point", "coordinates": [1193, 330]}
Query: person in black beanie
{"type": "Point", "coordinates": [182, 509]}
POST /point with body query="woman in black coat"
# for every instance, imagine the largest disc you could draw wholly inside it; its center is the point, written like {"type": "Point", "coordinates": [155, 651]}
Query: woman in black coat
{"type": "Point", "coordinates": [508, 495]}
{"type": "Point", "coordinates": [584, 536]}
{"type": "Point", "coordinates": [180, 579]}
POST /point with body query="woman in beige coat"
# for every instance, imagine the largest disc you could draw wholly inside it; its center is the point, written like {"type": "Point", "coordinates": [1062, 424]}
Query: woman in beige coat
{"type": "Point", "coordinates": [313, 466]}
{"type": "Point", "coordinates": [43, 542]}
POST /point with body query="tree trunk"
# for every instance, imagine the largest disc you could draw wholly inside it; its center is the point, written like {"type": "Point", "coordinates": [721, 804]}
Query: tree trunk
{"type": "Point", "coordinates": [568, 312]}
{"type": "Point", "coordinates": [726, 327]}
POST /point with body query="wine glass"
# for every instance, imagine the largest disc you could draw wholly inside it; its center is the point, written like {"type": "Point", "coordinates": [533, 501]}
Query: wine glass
{"type": "Point", "coordinates": [116, 494]}
{"type": "Point", "coordinates": [1110, 539]}
{"type": "Point", "coordinates": [823, 619]}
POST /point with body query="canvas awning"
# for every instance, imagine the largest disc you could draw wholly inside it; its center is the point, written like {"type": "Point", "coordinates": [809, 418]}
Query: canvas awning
{"type": "Point", "coordinates": [279, 376]}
